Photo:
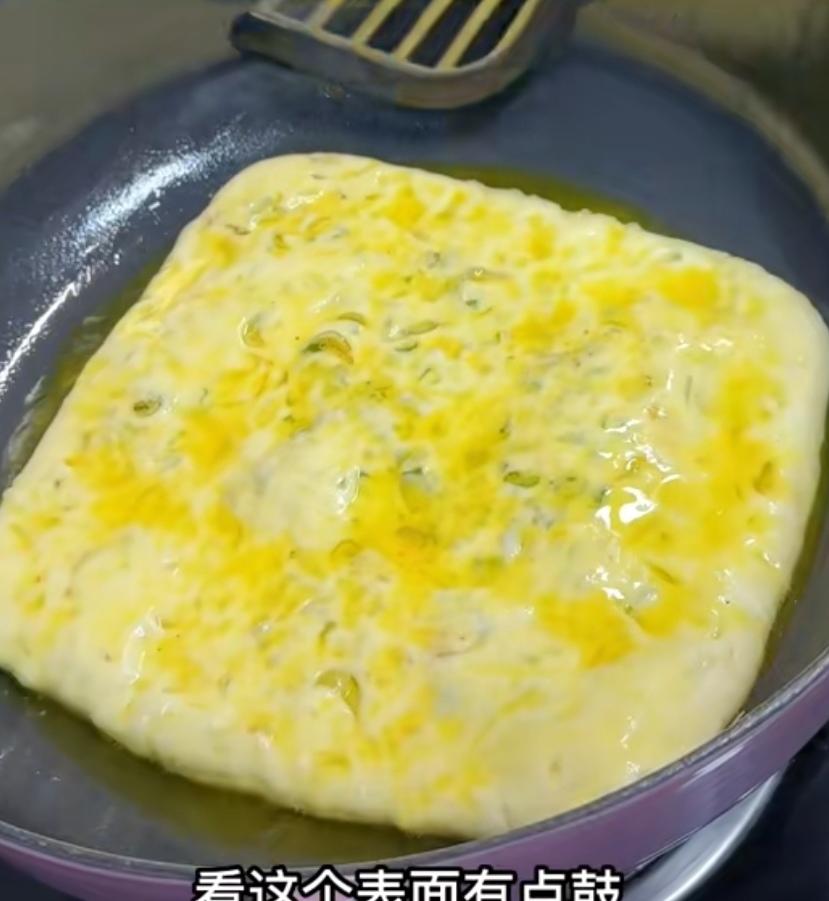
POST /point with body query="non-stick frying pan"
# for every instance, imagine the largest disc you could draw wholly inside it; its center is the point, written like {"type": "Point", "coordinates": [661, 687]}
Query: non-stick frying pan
{"type": "Point", "coordinates": [82, 229]}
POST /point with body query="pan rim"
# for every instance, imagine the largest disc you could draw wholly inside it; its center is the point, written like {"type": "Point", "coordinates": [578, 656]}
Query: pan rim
{"type": "Point", "coordinates": [738, 99]}
{"type": "Point", "coordinates": [17, 839]}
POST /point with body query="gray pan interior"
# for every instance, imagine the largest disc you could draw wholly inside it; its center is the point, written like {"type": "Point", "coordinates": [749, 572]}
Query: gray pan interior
{"type": "Point", "coordinates": [85, 225]}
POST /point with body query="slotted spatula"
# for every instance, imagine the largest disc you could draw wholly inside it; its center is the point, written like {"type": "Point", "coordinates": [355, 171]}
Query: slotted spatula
{"type": "Point", "coordinates": [437, 54]}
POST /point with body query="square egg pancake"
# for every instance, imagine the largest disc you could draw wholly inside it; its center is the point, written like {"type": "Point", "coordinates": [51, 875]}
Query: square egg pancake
{"type": "Point", "coordinates": [401, 499]}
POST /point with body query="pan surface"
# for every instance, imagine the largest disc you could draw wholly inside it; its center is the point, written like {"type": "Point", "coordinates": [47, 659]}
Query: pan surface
{"type": "Point", "coordinates": [81, 230]}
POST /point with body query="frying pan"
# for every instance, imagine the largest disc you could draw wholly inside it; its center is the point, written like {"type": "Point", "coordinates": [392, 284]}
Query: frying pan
{"type": "Point", "coordinates": [627, 118]}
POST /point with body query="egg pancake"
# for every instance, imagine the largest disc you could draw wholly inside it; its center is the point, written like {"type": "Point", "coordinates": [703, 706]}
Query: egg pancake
{"type": "Point", "coordinates": [401, 499]}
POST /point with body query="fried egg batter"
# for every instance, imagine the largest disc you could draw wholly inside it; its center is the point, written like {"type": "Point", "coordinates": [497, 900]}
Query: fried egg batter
{"type": "Point", "coordinates": [401, 499]}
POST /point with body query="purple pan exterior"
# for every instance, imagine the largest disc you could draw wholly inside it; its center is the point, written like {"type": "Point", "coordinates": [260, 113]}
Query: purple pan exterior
{"type": "Point", "coordinates": [624, 832]}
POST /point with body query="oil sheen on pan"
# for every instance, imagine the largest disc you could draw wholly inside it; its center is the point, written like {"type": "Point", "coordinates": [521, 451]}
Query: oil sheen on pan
{"type": "Point", "coordinates": [402, 499]}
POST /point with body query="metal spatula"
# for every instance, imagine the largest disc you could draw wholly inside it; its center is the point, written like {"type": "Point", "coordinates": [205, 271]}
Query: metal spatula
{"type": "Point", "coordinates": [437, 54]}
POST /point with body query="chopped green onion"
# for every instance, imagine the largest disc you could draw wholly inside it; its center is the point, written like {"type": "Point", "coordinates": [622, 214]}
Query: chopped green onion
{"type": "Point", "coordinates": [420, 328]}
{"type": "Point", "coordinates": [522, 479]}
{"type": "Point", "coordinates": [345, 550]}
{"type": "Point", "coordinates": [765, 480]}
{"type": "Point", "coordinates": [147, 406]}
{"type": "Point", "coordinates": [250, 333]}
{"type": "Point", "coordinates": [353, 317]}
{"type": "Point", "coordinates": [326, 630]}
{"type": "Point", "coordinates": [342, 684]}
{"type": "Point", "coordinates": [331, 342]}
{"type": "Point", "coordinates": [602, 494]}
{"type": "Point", "coordinates": [663, 574]}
